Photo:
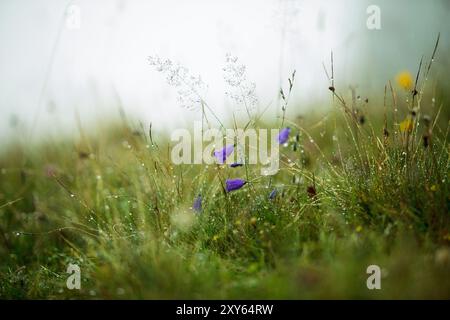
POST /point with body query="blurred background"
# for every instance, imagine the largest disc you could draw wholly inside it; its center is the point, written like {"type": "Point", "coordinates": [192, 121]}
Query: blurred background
{"type": "Point", "coordinates": [63, 58]}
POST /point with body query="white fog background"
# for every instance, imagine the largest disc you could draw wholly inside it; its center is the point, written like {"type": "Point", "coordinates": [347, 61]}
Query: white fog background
{"type": "Point", "coordinates": [47, 70]}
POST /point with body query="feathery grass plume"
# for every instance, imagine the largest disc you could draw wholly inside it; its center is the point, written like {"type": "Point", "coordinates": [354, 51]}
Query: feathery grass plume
{"type": "Point", "coordinates": [405, 80]}
{"type": "Point", "coordinates": [191, 88]}
{"type": "Point", "coordinates": [241, 90]}
{"type": "Point", "coordinates": [224, 153]}
{"type": "Point", "coordinates": [234, 184]}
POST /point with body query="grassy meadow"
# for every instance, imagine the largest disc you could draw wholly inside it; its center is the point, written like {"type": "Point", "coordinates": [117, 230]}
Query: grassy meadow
{"type": "Point", "coordinates": [360, 183]}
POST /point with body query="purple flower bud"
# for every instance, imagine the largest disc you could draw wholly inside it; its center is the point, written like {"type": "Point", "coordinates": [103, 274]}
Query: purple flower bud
{"type": "Point", "coordinates": [221, 155]}
{"type": "Point", "coordinates": [273, 194]}
{"type": "Point", "coordinates": [236, 164]}
{"type": "Point", "coordinates": [197, 206]}
{"type": "Point", "coordinates": [234, 184]}
{"type": "Point", "coordinates": [284, 135]}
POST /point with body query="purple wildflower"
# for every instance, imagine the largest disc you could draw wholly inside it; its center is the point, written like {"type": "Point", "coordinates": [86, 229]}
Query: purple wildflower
{"type": "Point", "coordinates": [273, 194]}
{"type": "Point", "coordinates": [197, 206]}
{"type": "Point", "coordinates": [236, 164]}
{"type": "Point", "coordinates": [284, 135]}
{"type": "Point", "coordinates": [234, 184]}
{"type": "Point", "coordinates": [221, 155]}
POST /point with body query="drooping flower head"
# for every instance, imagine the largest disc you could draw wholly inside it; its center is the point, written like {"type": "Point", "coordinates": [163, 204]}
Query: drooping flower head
{"type": "Point", "coordinates": [283, 136]}
{"type": "Point", "coordinates": [221, 155]}
{"type": "Point", "coordinates": [197, 206]}
{"type": "Point", "coordinates": [234, 184]}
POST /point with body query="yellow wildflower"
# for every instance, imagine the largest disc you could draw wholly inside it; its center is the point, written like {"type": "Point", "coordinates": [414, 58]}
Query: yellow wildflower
{"type": "Point", "coordinates": [404, 80]}
{"type": "Point", "coordinates": [359, 229]}
{"type": "Point", "coordinates": [406, 125]}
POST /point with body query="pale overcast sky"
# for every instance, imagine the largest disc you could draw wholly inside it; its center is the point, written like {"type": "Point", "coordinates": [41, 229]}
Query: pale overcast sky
{"type": "Point", "coordinates": [44, 55]}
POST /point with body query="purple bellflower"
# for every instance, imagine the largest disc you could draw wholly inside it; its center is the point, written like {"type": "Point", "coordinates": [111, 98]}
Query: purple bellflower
{"type": "Point", "coordinates": [284, 135]}
{"type": "Point", "coordinates": [234, 184]}
{"type": "Point", "coordinates": [221, 155]}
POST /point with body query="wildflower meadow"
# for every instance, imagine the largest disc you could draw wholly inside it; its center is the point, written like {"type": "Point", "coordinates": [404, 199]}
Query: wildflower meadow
{"type": "Point", "coordinates": [348, 200]}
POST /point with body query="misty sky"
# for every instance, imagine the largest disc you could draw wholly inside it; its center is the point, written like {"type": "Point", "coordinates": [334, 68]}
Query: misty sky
{"type": "Point", "coordinates": [49, 69]}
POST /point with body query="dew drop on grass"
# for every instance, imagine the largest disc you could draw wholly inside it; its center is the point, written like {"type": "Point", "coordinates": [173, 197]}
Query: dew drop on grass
{"type": "Point", "coordinates": [72, 195]}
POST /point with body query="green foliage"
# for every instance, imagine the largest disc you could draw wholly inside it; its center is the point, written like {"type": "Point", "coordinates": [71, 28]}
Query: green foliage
{"type": "Point", "coordinates": [350, 193]}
